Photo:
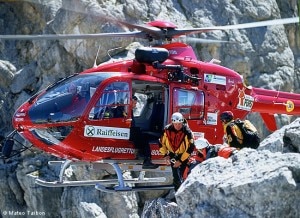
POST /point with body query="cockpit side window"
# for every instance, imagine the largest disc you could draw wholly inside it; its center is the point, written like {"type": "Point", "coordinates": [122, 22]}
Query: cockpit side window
{"type": "Point", "coordinates": [113, 103]}
{"type": "Point", "coordinates": [189, 102]}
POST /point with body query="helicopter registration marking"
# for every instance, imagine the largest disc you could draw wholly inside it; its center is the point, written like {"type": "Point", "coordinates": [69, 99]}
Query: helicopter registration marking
{"type": "Point", "coordinates": [245, 101]}
{"type": "Point", "coordinates": [106, 132]}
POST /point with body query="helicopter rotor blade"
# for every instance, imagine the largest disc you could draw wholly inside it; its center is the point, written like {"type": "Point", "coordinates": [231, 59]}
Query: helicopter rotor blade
{"type": "Point", "coordinates": [149, 32]}
{"type": "Point", "coordinates": [154, 31]}
{"type": "Point", "coordinates": [72, 36]}
{"type": "Point", "coordinates": [204, 41]}
{"type": "Point", "coordinates": [178, 32]}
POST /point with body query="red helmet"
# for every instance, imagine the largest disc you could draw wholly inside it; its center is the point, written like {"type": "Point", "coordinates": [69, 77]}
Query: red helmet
{"type": "Point", "coordinates": [226, 116]}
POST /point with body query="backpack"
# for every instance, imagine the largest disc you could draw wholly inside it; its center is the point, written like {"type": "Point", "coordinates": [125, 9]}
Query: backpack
{"type": "Point", "coordinates": [251, 138]}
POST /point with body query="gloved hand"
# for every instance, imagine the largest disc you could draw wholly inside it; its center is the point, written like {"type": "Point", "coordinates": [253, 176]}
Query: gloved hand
{"type": "Point", "coordinates": [168, 160]}
{"type": "Point", "coordinates": [176, 164]}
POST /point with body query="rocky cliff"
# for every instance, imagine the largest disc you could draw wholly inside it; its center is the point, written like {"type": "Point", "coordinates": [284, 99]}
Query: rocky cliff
{"type": "Point", "coordinates": [266, 57]}
{"type": "Point", "coordinates": [262, 183]}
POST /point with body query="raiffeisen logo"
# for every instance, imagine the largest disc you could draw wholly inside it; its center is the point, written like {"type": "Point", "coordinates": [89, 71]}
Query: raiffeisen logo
{"type": "Point", "coordinates": [106, 132]}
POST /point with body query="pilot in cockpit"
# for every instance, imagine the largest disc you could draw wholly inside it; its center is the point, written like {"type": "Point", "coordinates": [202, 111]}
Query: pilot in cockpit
{"type": "Point", "coordinates": [78, 102]}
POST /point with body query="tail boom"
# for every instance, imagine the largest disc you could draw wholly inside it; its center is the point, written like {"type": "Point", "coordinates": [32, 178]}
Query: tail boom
{"type": "Point", "coordinates": [275, 102]}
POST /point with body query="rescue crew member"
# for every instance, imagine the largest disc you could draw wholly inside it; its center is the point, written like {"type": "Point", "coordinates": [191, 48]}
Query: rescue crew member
{"type": "Point", "coordinates": [232, 134]}
{"type": "Point", "coordinates": [78, 103]}
{"type": "Point", "coordinates": [239, 133]}
{"type": "Point", "coordinates": [177, 144]}
{"type": "Point", "coordinates": [204, 150]}
{"type": "Point", "coordinates": [140, 140]}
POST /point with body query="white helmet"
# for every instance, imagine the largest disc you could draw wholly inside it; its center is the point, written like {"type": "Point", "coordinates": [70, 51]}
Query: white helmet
{"type": "Point", "coordinates": [177, 118]}
{"type": "Point", "coordinates": [201, 143]}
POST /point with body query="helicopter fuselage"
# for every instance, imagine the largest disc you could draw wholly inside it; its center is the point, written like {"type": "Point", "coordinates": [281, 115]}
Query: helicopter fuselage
{"type": "Point", "coordinates": [88, 116]}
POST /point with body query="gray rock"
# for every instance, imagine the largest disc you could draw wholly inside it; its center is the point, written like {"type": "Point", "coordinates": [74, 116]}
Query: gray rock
{"type": "Point", "coordinates": [24, 79]}
{"type": "Point", "coordinates": [90, 210]}
{"type": "Point", "coordinates": [7, 71]}
{"type": "Point", "coordinates": [284, 140]}
{"type": "Point", "coordinates": [253, 183]}
{"type": "Point", "coordinates": [160, 208]}
{"type": "Point", "coordinates": [250, 184]}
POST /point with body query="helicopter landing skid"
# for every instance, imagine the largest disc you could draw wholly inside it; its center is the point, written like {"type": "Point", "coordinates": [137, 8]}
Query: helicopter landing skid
{"type": "Point", "coordinates": [120, 184]}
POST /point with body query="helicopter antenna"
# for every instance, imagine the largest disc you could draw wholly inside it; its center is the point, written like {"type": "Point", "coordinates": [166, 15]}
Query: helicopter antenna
{"type": "Point", "coordinates": [215, 61]}
{"type": "Point", "coordinates": [95, 62]}
{"type": "Point", "coordinates": [278, 92]}
{"type": "Point", "coordinates": [110, 50]}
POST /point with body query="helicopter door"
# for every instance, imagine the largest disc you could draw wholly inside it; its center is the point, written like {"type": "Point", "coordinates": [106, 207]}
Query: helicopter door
{"type": "Point", "coordinates": [109, 114]}
{"type": "Point", "coordinates": [149, 113]}
{"type": "Point", "coordinates": [113, 102]}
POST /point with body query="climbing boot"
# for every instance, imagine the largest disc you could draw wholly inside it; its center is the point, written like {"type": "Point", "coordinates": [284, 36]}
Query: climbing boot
{"type": "Point", "coordinates": [149, 165]}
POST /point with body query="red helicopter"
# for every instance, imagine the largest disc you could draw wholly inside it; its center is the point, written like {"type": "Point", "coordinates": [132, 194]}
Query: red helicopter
{"type": "Point", "coordinates": [85, 118]}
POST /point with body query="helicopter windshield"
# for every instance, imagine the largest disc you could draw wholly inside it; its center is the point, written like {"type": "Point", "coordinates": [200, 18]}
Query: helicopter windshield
{"type": "Point", "coordinates": [66, 100]}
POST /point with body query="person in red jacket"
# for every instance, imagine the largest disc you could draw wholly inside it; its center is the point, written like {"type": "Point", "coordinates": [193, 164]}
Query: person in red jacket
{"type": "Point", "coordinates": [204, 150]}
{"type": "Point", "coordinates": [177, 144]}
{"type": "Point", "coordinates": [77, 104]}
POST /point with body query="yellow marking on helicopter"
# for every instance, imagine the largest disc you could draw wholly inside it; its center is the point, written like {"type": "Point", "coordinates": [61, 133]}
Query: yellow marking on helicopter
{"type": "Point", "coordinates": [290, 106]}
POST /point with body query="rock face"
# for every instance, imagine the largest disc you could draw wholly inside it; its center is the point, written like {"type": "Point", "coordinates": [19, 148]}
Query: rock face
{"type": "Point", "coordinates": [266, 57]}
{"type": "Point", "coordinates": [284, 140]}
{"type": "Point", "coordinates": [251, 184]}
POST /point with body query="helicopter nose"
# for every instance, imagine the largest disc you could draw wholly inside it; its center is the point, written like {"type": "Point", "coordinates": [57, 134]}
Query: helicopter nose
{"type": "Point", "coordinates": [19, 119]}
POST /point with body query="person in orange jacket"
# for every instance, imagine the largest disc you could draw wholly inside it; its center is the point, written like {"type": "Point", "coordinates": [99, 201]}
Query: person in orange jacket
{"type": "Point", "coordinates": [204, 150]}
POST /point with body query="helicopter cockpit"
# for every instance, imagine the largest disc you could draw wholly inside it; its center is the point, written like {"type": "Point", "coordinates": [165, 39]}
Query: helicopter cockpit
{"type": "Point", "coordinates": [66, 99]}
{"type": "Point", "coordinates": [113, 103]}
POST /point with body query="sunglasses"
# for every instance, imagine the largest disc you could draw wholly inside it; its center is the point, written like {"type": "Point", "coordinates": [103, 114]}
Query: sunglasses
{"type": "Point", "coordinates": [177, 121]}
